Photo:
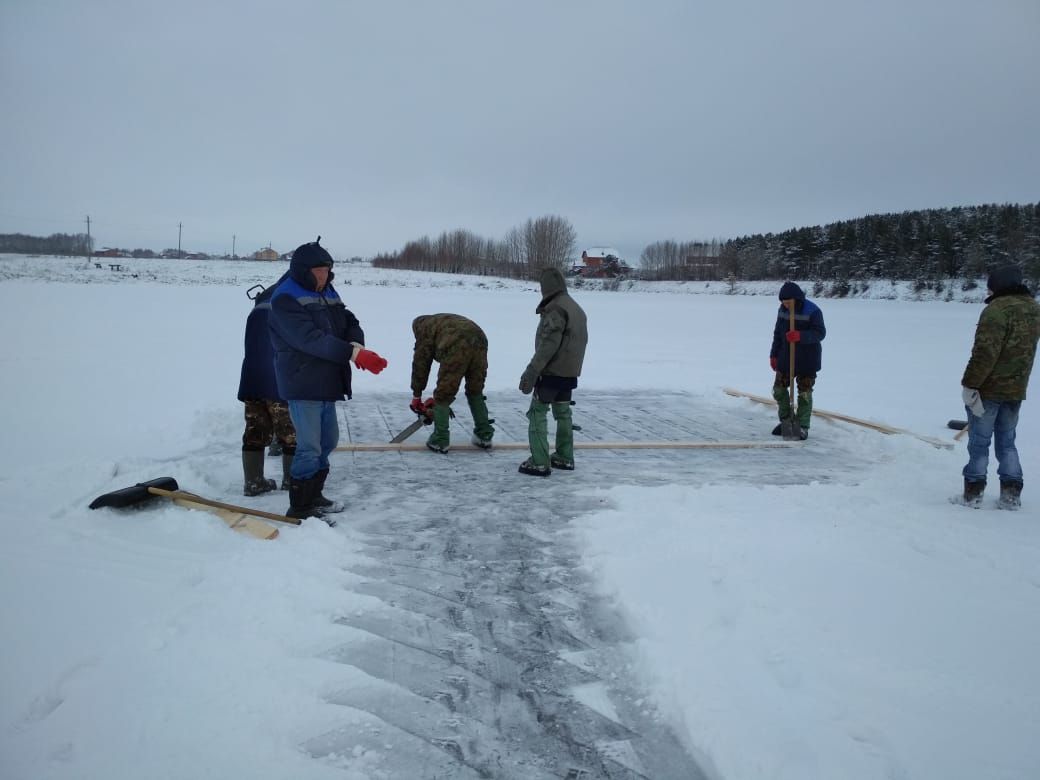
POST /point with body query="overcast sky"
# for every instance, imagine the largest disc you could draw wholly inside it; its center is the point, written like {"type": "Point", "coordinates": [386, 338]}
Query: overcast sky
{"type": "Point", "coordinates": [376, 122]}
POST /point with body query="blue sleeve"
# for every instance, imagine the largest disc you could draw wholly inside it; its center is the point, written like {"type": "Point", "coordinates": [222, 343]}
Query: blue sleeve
{"type": "Point", "coordinates": [816, 331]}
{"type": "Point", "coordinates": [292, 322]}
{"type": "Point", "coordinates": [354, 331]}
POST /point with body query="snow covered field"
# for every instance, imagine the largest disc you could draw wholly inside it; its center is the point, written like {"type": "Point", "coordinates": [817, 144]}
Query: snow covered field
{"type": "Point", "coordinates": [819, 611]}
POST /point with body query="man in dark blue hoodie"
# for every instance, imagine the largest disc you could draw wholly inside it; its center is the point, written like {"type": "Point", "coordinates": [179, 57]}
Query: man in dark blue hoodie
{"type": "Point", "coordinates": [315, 339]}
{"type": "Point", "coordinates": [808, 332]}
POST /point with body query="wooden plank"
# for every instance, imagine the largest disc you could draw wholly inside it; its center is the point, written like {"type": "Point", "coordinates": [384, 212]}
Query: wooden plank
{"type": "Point", "coordinates": [236, 521]}
{"type": "Point", "coordinates": [245, 510]}
{"type": "Point", "coordinates": [824, 414]}
{"type": "Point", "coordinates": [583, 445]}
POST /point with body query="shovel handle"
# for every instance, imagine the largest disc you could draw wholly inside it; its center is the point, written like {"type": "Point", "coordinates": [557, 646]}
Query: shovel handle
{"type": "Point", "coordinates": [221, 505]}
{"type": "Point", "coordinates": [790, 362]}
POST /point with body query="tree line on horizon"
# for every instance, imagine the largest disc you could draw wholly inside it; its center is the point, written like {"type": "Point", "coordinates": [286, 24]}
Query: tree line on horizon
{"type": "Point", "coordinates": [525, 250]}
{"type": "Point", "coordinates": [924, 246]}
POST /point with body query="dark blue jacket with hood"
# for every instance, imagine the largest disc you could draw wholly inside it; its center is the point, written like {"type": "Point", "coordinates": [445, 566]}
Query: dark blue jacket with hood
{"type": "Point", "coordinates": [313, 333]}
{"type": "Point", "coordinates": [257, 381]}
{"type": "Point", "coordinates": [808, 319]}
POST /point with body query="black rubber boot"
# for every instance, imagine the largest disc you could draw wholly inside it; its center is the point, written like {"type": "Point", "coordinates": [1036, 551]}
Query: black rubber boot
{"type": "Point", "coordinates": [324, 504]}
{"type": "Point", "coordinates": [301, 498]}
{"type": "Point", "coordinates": [253, 470]}
{"type": "Point", "coordinates": [286, 469]}
{"type": "Point", "coordinates": [973, 493]}
{"type": "Point", "coordinates": [1010, 495]}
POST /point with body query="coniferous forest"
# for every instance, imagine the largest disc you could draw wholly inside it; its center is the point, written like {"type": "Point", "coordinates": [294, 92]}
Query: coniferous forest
{"type": "Point", "coordinates": [924, 246]}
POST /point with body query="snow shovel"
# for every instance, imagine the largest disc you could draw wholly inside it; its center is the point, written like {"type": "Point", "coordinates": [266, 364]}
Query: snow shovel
{"type": "Point", "coordinates": [790, 430]}
{"type": "Point", "coordinates": [239, 518]}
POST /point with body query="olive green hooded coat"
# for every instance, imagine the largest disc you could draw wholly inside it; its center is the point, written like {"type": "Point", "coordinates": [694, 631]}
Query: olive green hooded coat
{"type": "Point", "coordinates": [562, 335]}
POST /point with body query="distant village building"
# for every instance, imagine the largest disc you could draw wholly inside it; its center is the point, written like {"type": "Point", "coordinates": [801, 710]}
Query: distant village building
{"type": "Point", "coordinates": [598, 262]}
{"type": "Point", "coordinates": [107, 252]}
{"type": "Point", "coordinates": [265, 254]}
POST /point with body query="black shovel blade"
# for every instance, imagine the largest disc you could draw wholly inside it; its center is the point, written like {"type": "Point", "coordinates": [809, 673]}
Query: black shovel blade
{"type": "Point", "coordinates": [135, 494]}
{"type": "Point", "coordinates": [790, 430]}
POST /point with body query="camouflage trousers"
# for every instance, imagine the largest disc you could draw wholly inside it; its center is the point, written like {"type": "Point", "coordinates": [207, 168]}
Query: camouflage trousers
{"type": "Point", "coordinates": [805, 384]}
{"type": "Point", "coordinates": [468, 364]}
{"type": "Point", "coordinates": [266, 419]}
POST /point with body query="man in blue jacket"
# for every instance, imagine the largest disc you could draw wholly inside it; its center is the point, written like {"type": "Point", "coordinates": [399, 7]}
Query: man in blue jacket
{"type": "Point", "coordinates": [808, 333]}
{"type": "Point", "coordinates": [315, 338]}
{"type": "Point", "coordinates": [267, 415]}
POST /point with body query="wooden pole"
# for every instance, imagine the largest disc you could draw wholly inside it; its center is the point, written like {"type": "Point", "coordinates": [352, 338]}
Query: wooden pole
{"type": "Point", "coordinates": [822, 413]}
{"type": "Point", "coordinates": [583, 445]}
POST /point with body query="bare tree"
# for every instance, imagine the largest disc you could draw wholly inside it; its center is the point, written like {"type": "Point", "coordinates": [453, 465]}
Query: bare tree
{"type": "Point", "coordinates": [548, 242]}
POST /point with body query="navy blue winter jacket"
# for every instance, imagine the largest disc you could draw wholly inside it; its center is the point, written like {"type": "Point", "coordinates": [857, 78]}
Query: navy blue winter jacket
{"type": "Point", "coordinates": [257, 381]}
{"type": "Point", "coordinates": [312, 333]}
{"type": "Point", "coordinates": [809, 320]}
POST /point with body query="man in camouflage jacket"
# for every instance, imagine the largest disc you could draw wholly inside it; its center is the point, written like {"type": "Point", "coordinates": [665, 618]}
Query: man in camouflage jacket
{"type": "Point", "coordinates": [994, 384]}
{"type": "Point", "coordinates": [552, 374]}
{"type": "Point", "coordinates": [461, 348]}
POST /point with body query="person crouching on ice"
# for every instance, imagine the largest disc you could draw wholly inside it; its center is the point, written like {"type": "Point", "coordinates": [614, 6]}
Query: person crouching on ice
{"type": "Point", "coordinates": [461, 348]}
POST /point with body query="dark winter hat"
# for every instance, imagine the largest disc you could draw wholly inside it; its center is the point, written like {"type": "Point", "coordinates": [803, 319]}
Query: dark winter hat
{"type": "Point", "coordinates": [311, 255]}
{"type": "Point", "coordinates": [791, 290]}
{"type": "Point", "coordinates": [1004, 277]}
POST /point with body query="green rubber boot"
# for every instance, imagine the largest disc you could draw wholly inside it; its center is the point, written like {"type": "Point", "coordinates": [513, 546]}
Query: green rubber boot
{"type": "Point", "coordinates": [537, 433]}
{"type": "Point", "coordinates": [783, 402]}
{"type": "Point", "coordinates": [483, 430]}
{"type": "Point", "coordinates": [563, 458]}
{"type": "Point", "coordinates": [804, 413]}
{"type": "Point", "coordinates": [440, 439]}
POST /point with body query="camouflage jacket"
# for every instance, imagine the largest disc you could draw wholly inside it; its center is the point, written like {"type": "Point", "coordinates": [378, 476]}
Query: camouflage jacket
{"type": "Point", "coordinates": [444, 338]}
{"type": "Point", "coordinates": [1005, 345]}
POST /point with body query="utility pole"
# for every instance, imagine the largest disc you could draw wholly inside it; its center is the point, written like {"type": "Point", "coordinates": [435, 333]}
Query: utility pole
{"type": "Point", "coordinates": [88, 237]}
{"type": "Point", "coordinates": [179, 226]}
{"type": "Point", "coordinates": [233, 237]}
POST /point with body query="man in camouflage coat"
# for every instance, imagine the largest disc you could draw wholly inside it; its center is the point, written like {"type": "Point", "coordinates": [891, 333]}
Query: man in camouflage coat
{"type": "Point", "coordinates": [994, 384]}
{"type": "Point", "coordinates": [552, 375]}
{"type": "Point", "coordinates": [460, 347]}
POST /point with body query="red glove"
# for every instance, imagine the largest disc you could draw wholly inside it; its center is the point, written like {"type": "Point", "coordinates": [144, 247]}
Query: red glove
{"type": "Point", "coordinates": [794, 336]}
{"type": "Point", "coordinates": [772, 363]}
{"type": "Point", "coordinates": [417, 406]}
{"type": "Point", "coordinates": [369, 361]}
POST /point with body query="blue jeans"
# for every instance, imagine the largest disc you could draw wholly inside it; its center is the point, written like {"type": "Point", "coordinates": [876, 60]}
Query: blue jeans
{"type": "Point", "coordinates": [317, 434]}
{"type": "Point", "coordinates": [998, 423]}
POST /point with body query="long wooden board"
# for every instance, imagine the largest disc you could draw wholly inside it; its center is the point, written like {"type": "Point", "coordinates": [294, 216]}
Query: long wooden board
{"type": "Point", "coordinates": [823, 413]}
{"type": "Point", "coordinates": [236, 521]}
{"type": "Point", "coordinates": [582, 445]}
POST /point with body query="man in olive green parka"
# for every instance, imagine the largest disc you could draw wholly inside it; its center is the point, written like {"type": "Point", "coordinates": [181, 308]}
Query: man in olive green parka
{"type": "Point", "coordinates": [552, 375]}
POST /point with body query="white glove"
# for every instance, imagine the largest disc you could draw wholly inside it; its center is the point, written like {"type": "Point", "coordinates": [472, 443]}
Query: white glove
{"type": "Point", "coordinates": [973, 401]}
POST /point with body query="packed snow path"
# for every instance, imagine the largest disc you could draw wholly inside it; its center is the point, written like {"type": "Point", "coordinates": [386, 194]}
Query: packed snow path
{"type": "Point", "coordinates": [489, 652]}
